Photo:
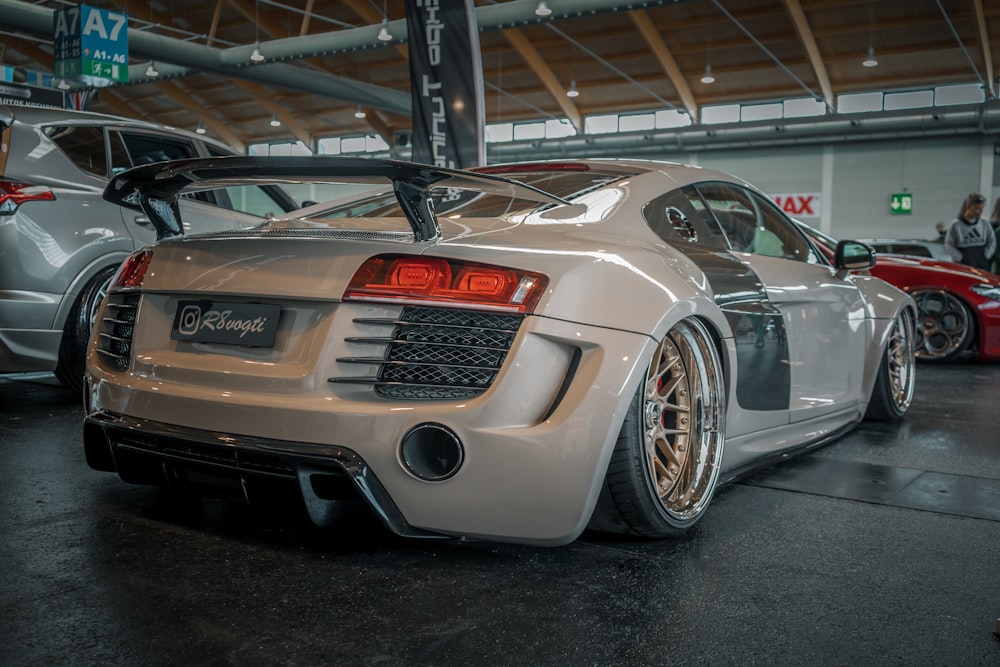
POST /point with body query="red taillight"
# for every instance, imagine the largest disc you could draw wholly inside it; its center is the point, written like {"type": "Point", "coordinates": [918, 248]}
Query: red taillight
{"type": "Point", "coordinates": [132, 271]}
{"type": "Point", "coordinates": [404, 279]}
{"type": "Point", "coordinates": [13, 194]}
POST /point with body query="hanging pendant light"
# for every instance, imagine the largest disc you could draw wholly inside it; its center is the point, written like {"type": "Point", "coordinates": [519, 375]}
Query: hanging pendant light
{"type": "Point", "coordinates": [572, 92]}
{"type": "Point", "coordinates": [870, 60]}
{"type": "Point", "coordinates": [383, 34]}
{"type": "Point", "coordinates": [708, 77]}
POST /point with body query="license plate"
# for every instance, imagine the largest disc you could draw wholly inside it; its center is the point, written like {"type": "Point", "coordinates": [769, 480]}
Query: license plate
{"type": "Point", "coordinates": [250, 324]}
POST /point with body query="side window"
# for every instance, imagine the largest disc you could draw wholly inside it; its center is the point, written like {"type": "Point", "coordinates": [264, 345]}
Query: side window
{"type": "Point", "coordinates": [120, 160]}
{"type": "Point", "coordinates": [263, 201]}
{"type": "Point", "coordinates": [776, 235]}
{"type": "Point", "coordinates": [732, 207]}
{"type": "Point", "coordinates": [84, 145]}
{"type": "Point", "coordinates": [145, 148]}
{"type": "Point", "coordinates": [679, 217]}
{"type": "Point", "coordinates": [753, 224]}
{"type": "Point", "coordinates": [253, 199]}
{"type": "Point", "coordinates": [903, 249]}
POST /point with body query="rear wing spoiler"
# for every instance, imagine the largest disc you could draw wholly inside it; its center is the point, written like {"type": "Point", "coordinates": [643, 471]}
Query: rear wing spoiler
{"type": "Point", "coordinates": [155, 188]}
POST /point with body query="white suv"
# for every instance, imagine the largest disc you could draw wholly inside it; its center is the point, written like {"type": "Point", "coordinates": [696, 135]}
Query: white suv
{"type": "Point", "coordinates": [61, 242]}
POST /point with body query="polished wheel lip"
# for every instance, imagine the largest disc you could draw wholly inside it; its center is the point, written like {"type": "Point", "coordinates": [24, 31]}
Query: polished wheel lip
{"type": "Point", "coordinates": [901, 360]}
{"type": "Point", "coordinates": [944, 324]}
{"type": "Point", "coordinates": [683, 422]}
{"type": "Point", "coordinates": [96, 299]}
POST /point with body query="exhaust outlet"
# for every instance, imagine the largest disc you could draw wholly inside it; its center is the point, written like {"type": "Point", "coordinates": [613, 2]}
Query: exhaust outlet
{"type": "Point", "coordinates": [431, 452]}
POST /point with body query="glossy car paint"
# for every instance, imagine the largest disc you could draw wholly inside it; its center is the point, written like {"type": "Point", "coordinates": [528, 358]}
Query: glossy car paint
{"type": "Point", "coordinates": [913, 274]}
{"type": "Point", "coordinates": [536, 448]}
{"type": "Point", "coordinates": [52, 249]}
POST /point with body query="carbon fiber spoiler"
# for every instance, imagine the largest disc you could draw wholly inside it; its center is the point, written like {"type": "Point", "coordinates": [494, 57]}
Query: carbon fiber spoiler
{"type": "Point", "coordinates": [155, 188]}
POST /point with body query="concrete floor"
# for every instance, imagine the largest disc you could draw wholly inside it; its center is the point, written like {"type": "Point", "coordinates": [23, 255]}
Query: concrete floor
{"type": "Point", "coordinates": [880, 549]}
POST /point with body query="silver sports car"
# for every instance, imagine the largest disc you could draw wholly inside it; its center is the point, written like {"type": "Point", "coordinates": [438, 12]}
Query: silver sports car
{"type": "Point", "coordinates": [515, 353]}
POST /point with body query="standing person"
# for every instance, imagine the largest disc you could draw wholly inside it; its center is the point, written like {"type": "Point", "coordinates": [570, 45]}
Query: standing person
{"type": "Point", "coordinates": [970, 239]}
{"type": "Point", "coordinates": [995, 222]}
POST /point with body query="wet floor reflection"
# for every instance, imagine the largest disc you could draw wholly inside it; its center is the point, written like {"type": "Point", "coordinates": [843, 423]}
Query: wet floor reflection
{"type": "Point", "coordinates": [100, 572]}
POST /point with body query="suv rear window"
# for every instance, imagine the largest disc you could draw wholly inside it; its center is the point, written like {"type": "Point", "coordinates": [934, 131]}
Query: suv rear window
{"type": "Point", "coordinates": [147, 148]}
{"type": "Point", "coordinates": [83, 144]}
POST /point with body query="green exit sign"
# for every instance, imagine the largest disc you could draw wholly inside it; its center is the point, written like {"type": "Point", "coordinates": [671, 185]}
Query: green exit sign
{"type": "Point", "coordinates": [901, 203]}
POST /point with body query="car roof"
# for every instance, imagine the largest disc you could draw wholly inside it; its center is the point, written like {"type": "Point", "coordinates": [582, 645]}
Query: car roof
{"type": "Point", "coordinates": [39, 115]}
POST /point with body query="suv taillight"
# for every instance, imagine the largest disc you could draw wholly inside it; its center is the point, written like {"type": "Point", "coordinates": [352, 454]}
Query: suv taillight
{"type": "Point", "coordinates": [13, 194]}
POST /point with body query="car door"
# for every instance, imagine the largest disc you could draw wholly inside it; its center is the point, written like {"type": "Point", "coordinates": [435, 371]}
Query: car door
{"type": "Point", "coordinates": [762, 378]}
{"type": "Point", "coordinates": [822, 316]}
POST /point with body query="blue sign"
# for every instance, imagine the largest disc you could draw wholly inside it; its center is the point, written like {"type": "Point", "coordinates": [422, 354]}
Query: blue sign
{"type": "Point", "coordinates": [90, 45]}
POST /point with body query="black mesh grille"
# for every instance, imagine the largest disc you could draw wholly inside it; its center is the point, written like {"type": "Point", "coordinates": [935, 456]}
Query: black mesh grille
{"type": "Point", "coordinates": [438, 353]}
{"type": "Point", "coordinates": [115, 340]}
{"type": "Point", "coordinates": [447, 354]}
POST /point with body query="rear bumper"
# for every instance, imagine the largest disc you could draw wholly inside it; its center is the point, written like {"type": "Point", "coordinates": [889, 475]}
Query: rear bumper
{"type": "Point", "coordinates": [27, 341]}
{"type": "Point", "coordinates": [534, 447]}
{"type": "Point", "coordinates": [23, 350]}
{"type": "Point", "coordinates": [143, 451]}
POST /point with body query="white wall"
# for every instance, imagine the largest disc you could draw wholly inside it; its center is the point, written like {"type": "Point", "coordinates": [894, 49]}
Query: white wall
{"type": "Point", "coordinates": [938, 172]}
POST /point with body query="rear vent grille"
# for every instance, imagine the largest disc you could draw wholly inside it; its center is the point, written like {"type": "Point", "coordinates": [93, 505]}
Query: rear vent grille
{"type": "Point", "coordinates": [437, 353]}
{"type": "Point", "coordinates": [115, 341]}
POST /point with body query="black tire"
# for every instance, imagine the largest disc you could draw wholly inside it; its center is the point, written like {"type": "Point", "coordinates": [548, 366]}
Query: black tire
{"type": "Point", "coordinates": [665, 465]}
{"type": "Point", "coordinates": [76, 332]}
{"type": "Point", "coordinates": [893, 390]}
{"type": "Point", "coordinates": [946, 326]}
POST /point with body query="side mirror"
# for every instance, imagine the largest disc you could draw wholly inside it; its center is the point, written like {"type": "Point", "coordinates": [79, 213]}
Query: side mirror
{"type": "Point", "coordinates": [852, 256]}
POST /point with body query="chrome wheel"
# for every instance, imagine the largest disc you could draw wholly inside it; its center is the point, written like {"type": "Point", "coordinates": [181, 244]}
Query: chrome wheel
{"type": "Point", "coordinates": [76, 331]}
{"type": "Point", "coordinates": [945, 325]}
{"type": "Point", "coordinates": [683, 421]}
{"type": "Point", "coordinates": [892, 392]}
{"type": "Point", "coordinates": [95, 298]}
{"type": "Point", "coordinates": [666, 462]}
{"type": "Point", "coordinates": [900, 363]}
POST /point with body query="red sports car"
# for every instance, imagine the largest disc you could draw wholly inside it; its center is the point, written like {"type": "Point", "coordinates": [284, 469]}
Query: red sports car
{"type": "Point", "coordinates": [959, 305]}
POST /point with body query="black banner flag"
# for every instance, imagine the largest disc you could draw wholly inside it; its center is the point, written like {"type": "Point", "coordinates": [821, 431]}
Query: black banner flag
{"type": "Point", "coordinates": [446, 80]}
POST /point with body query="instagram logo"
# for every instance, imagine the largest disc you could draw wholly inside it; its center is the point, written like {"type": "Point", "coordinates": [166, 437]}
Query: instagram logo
{"type": "Point", "coordinates": [189, 320]}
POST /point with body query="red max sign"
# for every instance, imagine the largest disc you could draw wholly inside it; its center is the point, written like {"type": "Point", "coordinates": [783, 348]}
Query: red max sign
{"type": "Point", "coordinates": [802, 204]}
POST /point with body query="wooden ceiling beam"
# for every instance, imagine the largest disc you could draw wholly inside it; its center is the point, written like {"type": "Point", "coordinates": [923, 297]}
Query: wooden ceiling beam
{"type": "Point", "coordinates": [545, 75]}
{"type": "Point", "coordinates": [181, 97]}
{"type": "Point", "coordinates": [264, 99]}
{"type": "Point", "coordinates": [214, 28]}
{"type": "Point", "coordinates": [112, 100]}
{"type": "Point", "coordinates": [984, 43]}
{"type": "Point", "coordinates": [659, 48]}
{"type": "Point", "coordinates": [306, 16]}
{"type": "Point", "coordinates": [263, 20]}
{"type": "Point", "coordinates": [812, 51]}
